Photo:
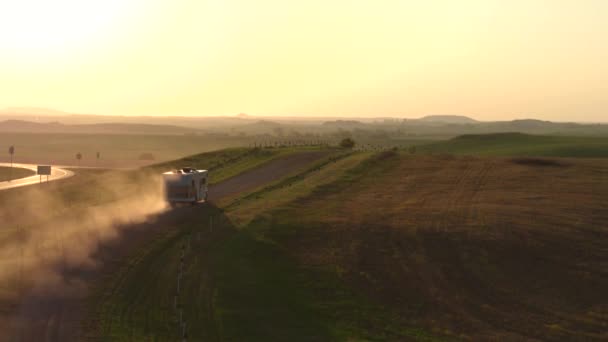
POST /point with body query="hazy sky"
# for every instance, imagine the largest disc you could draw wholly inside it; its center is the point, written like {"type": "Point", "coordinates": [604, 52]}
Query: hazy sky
{"type": "Point", "coordinates": [489, 59]}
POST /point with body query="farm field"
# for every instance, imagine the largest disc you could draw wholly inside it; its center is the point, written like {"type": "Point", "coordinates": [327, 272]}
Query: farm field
{"type": "Point", "coordinates": [218, 245]}
{"type": "Point", "coordinates": [7, 174]}
{"type": "Point", "coordinates": [306, 254]}
{"type": "Point", "coordinates": [463, 248]}
{"type": "Point", "coordinates": [518, 144]}
{"type": "Point", "coordinates": [116, 150]}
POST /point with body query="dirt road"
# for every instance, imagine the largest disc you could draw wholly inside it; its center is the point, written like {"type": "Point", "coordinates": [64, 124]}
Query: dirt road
{"type": "Point", "coordinates": [55, 311]}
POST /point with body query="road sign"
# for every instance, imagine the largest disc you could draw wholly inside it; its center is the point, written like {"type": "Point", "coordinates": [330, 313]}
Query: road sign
{"type": "Point", "coordinates": [44, 170]}
{"type": "Point", "coordinates": [11, 150]}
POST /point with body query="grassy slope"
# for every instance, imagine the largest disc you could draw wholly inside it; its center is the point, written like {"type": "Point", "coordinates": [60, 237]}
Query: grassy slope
{"type": "Point", "coordinates": [517, 144]}
{"type": "Point", "coordinates": [446, 250]}
{"type": "Point", "coordinates": [243, 286]}
{"type": "Point", "coordinates": [7, 174]}
{"type": "Point", "coordinates": [313, 258]}
{"type": "Point", "coordinates": [67, 200]}
{"type": "Point", "coordinates": [226, 163]}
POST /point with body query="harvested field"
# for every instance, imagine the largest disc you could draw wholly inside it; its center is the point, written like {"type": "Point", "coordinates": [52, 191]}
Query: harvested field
{"type": "Point", "coordinates": [473, 248]}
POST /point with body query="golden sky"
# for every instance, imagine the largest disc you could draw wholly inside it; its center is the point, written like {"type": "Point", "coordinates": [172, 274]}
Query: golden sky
{"type": "Point", "coordinates": [489, 59]}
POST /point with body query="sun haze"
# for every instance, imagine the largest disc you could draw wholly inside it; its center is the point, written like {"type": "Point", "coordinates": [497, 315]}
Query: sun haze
{"type": "Point", "coordinates": [489, 59]}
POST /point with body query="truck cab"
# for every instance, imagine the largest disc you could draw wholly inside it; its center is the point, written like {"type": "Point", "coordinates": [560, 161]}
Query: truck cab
{"type": "Point", "coordinates": [185, 185]}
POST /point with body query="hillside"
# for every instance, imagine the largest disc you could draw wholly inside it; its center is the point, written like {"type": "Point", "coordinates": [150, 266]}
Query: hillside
{"type": "Point", "coordinates": [518, 144]}
{"type": "Point", "coordinates": [379, 131]}
{"type": "Point", "coordinates": [312, 255]}
{"type": "Point", "coordinates": [16, 126]}
{"type": "Point", "coordinates": [307, 254]}
{"type": "Point", "coordinates": [446, 250]}
{"type": "Point", "coordinates": [99, 217]}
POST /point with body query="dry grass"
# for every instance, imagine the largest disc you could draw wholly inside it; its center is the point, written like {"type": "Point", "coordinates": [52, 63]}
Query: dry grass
{"type": "Point", "coordinates": [7, 173]}
{"type": "Point", "coordinates": [469, 247]}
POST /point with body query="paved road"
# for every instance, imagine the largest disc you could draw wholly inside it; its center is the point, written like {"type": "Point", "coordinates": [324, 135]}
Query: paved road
{"type": "Point", "coordinates": [264, 174]}
{"type": "Point", "coordinates": [56, 174]}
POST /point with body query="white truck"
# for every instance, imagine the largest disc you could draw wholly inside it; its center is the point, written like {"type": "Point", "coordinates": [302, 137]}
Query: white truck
{"type": "Point", "coordinates": [185, 185]}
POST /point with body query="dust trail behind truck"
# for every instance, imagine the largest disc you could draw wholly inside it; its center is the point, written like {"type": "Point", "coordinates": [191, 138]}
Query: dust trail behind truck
{"type": "Point", "coordinates": [185, 185]}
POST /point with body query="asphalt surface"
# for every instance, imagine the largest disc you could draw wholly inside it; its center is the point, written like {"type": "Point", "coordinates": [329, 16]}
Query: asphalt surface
{"type": "Point", "coordinates": [262, 175]}
{"type": "Point", "coordinates": [56, 174]}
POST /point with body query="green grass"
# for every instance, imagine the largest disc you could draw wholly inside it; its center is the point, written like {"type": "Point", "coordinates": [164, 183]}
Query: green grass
{"type": "Point", "coordinates": [238, 286]}
{"type": "Point", "coordinates": [345, 313]}
{"type": "Point", "coordinates": [241, 283]}
{"type": "Point", "coordinates": [246, 207]}
{"type": "Point", "coordinates": [227, 163]}
{"type": "Point", "coordinates": [517, 144]}
{"type": "Point", "coordinates": [242, 279]}
{"type": "Point", "coordinates": [8, 173]}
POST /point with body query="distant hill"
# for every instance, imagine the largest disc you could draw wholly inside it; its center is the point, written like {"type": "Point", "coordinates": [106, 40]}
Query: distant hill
{"type": "Point", "coordinates": [343, 123]}
{"type": "Point", "coordinates": [265, 123]}
{"type": "Point", "coordinates": [521, 145]}
{"type": "Point", "coordinates": [22, 126]}
{"type": "Point", "coordinates": [448, 119]}
{"type": "Point", "coordinates": [259, 127]}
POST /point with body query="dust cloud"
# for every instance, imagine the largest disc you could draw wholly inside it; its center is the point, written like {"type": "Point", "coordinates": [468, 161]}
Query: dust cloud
{"type": "Point", "coordinates": [46, 233]}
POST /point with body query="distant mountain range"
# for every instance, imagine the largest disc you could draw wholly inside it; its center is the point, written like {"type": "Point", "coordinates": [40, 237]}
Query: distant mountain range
{"type": "Point", "coordinates": [50, 121]}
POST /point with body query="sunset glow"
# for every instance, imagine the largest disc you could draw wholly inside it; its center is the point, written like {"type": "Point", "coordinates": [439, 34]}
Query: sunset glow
{"type": "Point", "coordinates": [488, 59]}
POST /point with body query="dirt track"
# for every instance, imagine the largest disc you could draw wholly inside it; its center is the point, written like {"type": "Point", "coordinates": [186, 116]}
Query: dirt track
{"type": "Point", "coordinates": [54, 313]}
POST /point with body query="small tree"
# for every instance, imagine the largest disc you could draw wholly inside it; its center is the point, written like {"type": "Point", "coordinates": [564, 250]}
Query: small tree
{"type": "Point", "coordinates": [78, 157]}
{"type": "Point", "coordinates": [347, 143]}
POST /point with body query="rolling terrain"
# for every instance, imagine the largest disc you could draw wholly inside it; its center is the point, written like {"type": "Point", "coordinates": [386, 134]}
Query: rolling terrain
{"type": "Point", "coordinates": [309, 244]}
{"type": "Point", "coordinates": [518, 144]}
{"type": "Point", "coordinates": [386, 246]}
{"type": "Point", "coordinates": [469, 248]}
{"type": "Point", "coordinates": [103, 215]}
{"type": "Point", "coordinates": [116, 150]}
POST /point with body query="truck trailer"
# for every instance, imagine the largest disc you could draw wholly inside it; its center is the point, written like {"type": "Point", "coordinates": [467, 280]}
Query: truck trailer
{"type": "Point", "coordinates": [185, 185]}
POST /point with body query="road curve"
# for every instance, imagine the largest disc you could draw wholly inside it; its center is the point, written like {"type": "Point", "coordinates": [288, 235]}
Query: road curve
{"type": "Point", "coordinates": [56, 174]}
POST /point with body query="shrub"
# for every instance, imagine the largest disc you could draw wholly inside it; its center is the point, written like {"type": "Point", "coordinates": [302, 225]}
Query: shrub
{"type": "Point", "coordinates": [347, 143]}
